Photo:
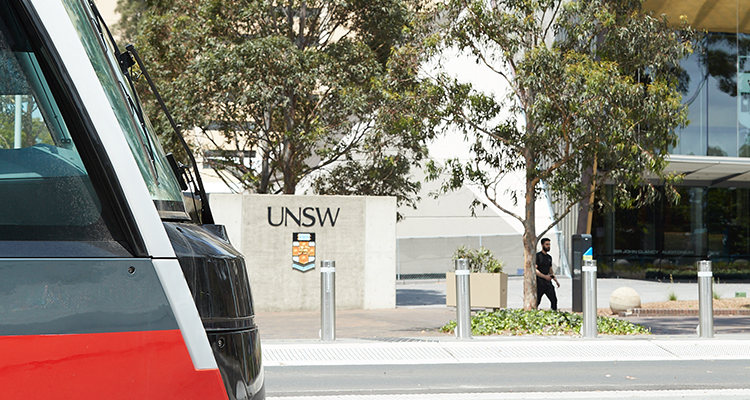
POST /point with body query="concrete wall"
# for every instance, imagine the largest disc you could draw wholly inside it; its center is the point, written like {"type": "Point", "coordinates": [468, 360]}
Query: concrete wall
{"type": "Point", "coordinates": [362, 241]}
{"type": "Point", "coordinates": [428, 236]}
{"type": "Point", "coordinates": [433, 255]}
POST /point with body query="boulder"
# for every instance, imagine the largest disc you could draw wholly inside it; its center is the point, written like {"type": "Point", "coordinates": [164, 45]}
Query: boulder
{"type": "Point", "coordinates": [624, 298]}
{"type": "Point", "coordinates": [662, 262]}
{"type": "Point", "coordinates": [621, 264]}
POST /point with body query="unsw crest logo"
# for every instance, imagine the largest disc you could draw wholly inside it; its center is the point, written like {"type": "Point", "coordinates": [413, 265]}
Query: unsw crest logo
{"type": "Point", "coordinates": [303, 251]}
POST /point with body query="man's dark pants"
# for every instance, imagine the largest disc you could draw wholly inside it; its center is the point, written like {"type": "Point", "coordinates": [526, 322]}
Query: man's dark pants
{"type": "Point", "coordinates": [546, 288]}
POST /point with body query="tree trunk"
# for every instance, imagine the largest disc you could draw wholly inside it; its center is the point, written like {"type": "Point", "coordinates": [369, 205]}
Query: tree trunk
{"type": "Point", "coordinates": [265, 173]}
{"type": "Point", "coordinates": [287, 168]}
{"type": "Point", "coordinates": [287, 157]}
{"type": "Point", "coordinates": [529, 236]}
{"type": "Point", "coordinates": [586, 206]}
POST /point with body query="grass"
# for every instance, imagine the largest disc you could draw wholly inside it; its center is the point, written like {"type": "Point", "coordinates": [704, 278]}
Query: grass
{"type": "Point", "coordinates": [717, 295]}
{"type": "Point", "coordinates": [672, 296]}
{"type": "Point", "coordinates": [542, 322]}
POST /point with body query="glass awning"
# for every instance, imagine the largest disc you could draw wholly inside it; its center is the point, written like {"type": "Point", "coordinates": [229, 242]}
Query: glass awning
{"type": "Point", "coordinates": [711, 171]}
{"type": "Point", "coordinates": [711, 15]}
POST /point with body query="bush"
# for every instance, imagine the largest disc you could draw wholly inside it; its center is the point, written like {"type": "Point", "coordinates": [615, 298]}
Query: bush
{"type": "Point", "coordinates": [542, 322]}
{"type": "Point", "coordinates": [692, 274]}
{"type": "Point", "coordinates": [481, 260]}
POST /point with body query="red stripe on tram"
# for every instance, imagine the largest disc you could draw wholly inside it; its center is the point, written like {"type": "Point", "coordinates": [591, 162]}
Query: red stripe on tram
{"type": "Point", "coordinates": [118, 365]}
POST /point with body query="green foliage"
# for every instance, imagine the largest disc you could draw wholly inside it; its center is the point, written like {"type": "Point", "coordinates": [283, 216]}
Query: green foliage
{"type": "Point", "coordinates": [542, 322]}
{"type": "Point", "coordinates": [480, 260]}
{"type": "Point", "coordinates": [590, 93]}
{"type": "Point", "coordinates": [310, 87]}
{"type": "Point", "coordinates": [386, 176]}
{"type": "Point", "coordinates": [131, 13]}
{"type": "Point", "coordinates": [727, 274]}
{"type": "Point", "coordinates": [672, 296]}
{"type": "Point", "coordinates": [34, 130]}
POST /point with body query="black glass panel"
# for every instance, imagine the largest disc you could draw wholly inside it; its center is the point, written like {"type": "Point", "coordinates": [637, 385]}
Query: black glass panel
{"type": "Point", "coordinates": [664, 240]}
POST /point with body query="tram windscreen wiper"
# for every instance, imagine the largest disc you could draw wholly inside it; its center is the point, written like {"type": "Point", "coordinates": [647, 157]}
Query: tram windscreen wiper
{"type": "Point", "coordinates": [125, 61]}
{"type": "Point", "coordinates": [102, 25]}
{"type": "Point", "coordinates": [143, 139]}
{"type": "Point", "coordinates": [206, 215]}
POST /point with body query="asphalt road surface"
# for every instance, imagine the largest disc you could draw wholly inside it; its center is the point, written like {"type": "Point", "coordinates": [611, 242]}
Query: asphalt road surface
{"type": "Point", "coordinates": [706, 379]}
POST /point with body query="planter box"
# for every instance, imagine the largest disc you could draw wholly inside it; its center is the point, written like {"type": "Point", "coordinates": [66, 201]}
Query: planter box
{"type": "Point", "coordinates": [486, 290]}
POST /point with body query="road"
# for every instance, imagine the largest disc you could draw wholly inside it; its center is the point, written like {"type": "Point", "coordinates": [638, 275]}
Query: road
{"type": "Point", "coordinates": [657, 374]}
{"type": "Point", "coordinates": [705, 379]}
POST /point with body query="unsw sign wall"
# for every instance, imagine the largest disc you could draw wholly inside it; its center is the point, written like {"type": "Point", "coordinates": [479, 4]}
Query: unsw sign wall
{"type": "Point", "coordinates": [357, 232]}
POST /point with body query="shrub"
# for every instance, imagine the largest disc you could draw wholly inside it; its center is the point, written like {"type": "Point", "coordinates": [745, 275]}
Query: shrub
{"type": "Point", "coordinates": [542, 322]}
{"type": "Point", "coordinates": [481, 260]}
{"type": "Point", "coordinates": [692, 274]}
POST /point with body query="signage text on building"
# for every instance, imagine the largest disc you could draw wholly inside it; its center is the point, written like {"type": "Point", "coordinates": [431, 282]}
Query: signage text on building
{"type": "Point", "coordinates": [302, 216]}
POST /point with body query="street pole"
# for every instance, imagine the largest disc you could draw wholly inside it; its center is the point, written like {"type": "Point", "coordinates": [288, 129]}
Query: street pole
{"type": "Point", "coordinates": [705, 299]}
{"type": "Point", "coordinates": [328, 301]}
{"type": "Point", "coordinates": [463, 299]}
{"type": "Point", "coordinates": [18, 124]}
{"type": "Point", "coordinates": [589, 328]}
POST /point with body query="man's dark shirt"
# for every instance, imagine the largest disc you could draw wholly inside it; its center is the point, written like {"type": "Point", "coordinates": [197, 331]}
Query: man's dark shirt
{"type": "Point", "coordinates": [543, 264]}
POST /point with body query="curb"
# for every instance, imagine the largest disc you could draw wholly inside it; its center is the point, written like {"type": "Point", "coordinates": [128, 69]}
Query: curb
{"type": "Point", "coordinates": [535, 350]}
{"type": "Point", "coordinates": [672, 312]}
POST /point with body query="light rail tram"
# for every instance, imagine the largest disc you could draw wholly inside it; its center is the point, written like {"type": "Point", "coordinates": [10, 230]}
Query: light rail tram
{"type": "Point", "coordinates": [115, 282]}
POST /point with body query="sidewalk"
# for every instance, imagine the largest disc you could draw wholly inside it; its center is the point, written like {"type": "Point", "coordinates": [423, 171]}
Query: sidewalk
{"type": "Point", "coordinates": [503, 350]}
{"type": "Point", "coordinates": [420, 311]}
{"type": "Point", "coordinates": [410, 333]}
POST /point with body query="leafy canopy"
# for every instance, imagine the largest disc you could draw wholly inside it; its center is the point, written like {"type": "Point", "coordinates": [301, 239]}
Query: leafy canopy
{"type": "Point", "coordinates": [305, 86]}
{"type": "Point", "coordinates": [590, 95]}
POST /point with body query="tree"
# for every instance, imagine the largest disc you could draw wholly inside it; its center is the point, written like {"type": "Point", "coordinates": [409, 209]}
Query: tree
{"type": "Point", "coordinates": [34, 131]}
{"type": "Point", "coordinates": [302, 84]}
{"type": "Point", "coordinates": [592, 96]}
{"type": "Point", "coordinates": [404, 123]}
{"type": "Point", "coordinates": [131, 13]}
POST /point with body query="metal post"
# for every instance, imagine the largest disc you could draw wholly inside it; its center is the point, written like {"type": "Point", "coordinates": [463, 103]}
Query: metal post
{"type": "Point", "coordinates": [328, 301]}
{"type": "Point", "coordinates": [463, 299]}
{"type": "Point", "coordinates": [589, 328]}
{"type": "Point", "coordinates": [581, 248]}
{"type": "Point", "coordinates": [19, 114]}
{"type": "Point", "coordinates": [705, 300]}
{"type": "Point", "coordinates": [398, 259]}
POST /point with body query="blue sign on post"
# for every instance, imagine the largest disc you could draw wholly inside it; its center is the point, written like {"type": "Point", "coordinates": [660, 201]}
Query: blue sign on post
{"type": "Point", "coordinates": [588, 255]}
{"type": "Point", "coordinates": [582, 250]}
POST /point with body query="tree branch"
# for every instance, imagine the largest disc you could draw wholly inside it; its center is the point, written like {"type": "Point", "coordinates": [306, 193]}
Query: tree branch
{"type": "Point", "coordinates": [558, 219]}
{"type": "Point", "coordinates": [552, 20]}
{"type": "Point", "coordinates": [493, 200]}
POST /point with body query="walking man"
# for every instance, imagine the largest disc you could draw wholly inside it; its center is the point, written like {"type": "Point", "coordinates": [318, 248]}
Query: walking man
{"type": "Point", "coordinates": [545, 275]}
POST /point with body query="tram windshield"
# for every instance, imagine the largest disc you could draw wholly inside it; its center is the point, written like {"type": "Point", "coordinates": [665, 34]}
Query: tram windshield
{"type": "Point", "coordinates": [47, 199]}
{"type": "Point", "coordinates": [143, 142]}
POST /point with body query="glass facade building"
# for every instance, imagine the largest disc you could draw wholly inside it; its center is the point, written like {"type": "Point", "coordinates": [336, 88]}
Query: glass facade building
{"type": "Point", "coordinates": [664, 239]}
{"type": "Point", "coordinates": [717, 92]}
{"type": "Point", "coordinates": [712, 219]}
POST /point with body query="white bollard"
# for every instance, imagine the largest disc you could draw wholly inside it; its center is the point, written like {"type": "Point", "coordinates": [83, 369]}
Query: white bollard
{"type": "Point", "coordinates": [18, 126]}
{"type": "Point", "coordinates": [463, 299]}
{"type": "Point", "coordinates": [705, 300]}
{"type": "Point", "coordinates": [589, 328]}
{"type": "Point", "coordinates": [328, 301]}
